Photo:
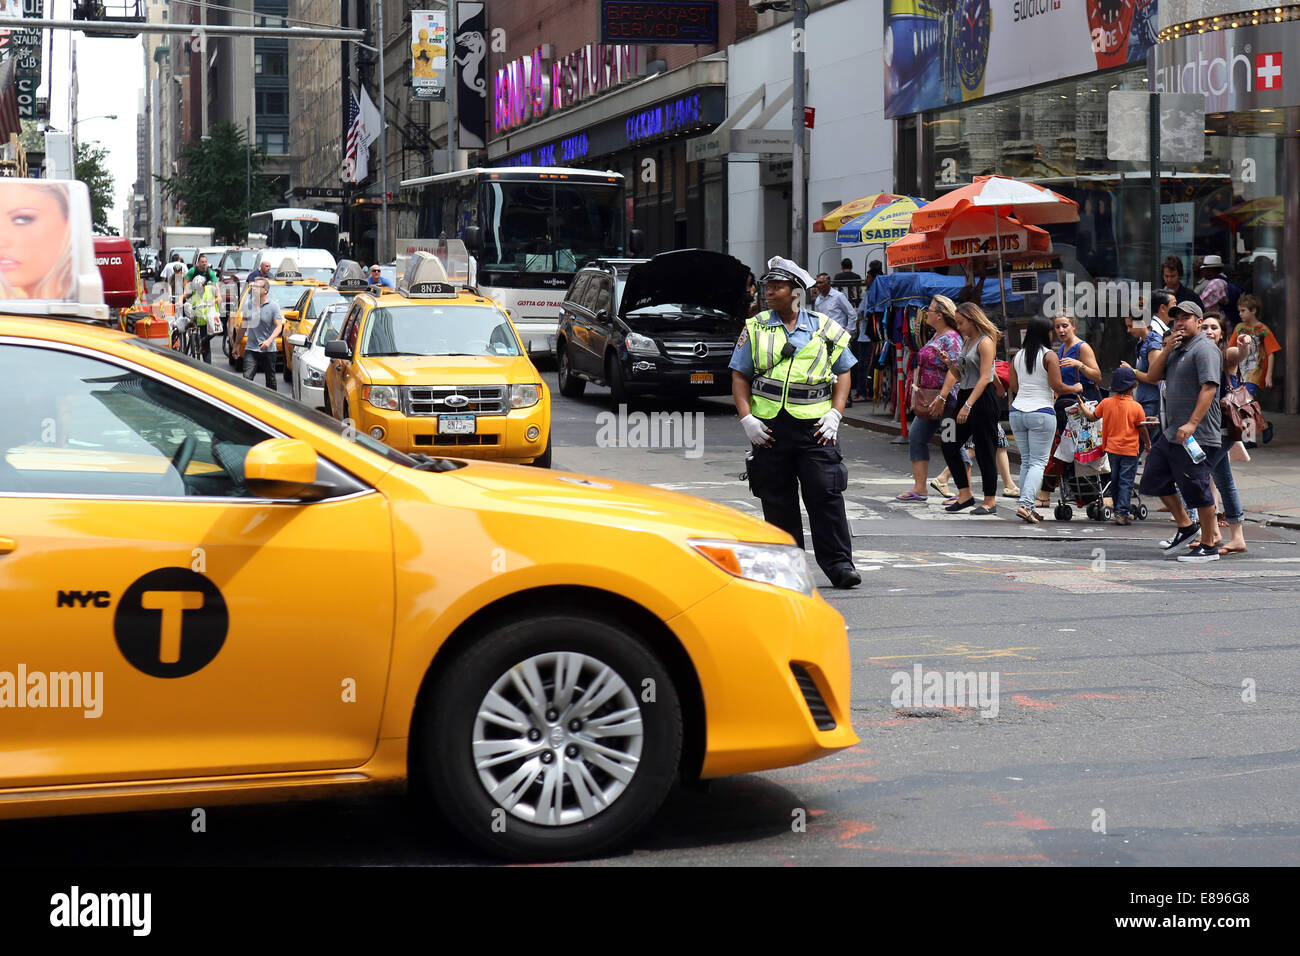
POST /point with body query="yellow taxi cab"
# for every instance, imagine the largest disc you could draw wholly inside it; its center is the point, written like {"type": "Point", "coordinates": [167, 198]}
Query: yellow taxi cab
{"type": "Point", "coordinates": [485, 651]}
{"type": "Point", "coordinates": [432, 367]}
{"type": "Point", "coordinates": [347, 281]}
{"type": "Point", "coordinates": [286, 288]}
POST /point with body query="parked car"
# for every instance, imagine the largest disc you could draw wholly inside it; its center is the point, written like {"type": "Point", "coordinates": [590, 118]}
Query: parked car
{"type": "Point", "coordinates": [666, 325]}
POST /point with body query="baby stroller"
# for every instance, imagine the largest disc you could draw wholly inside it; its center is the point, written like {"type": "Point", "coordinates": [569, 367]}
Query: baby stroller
{"type": "Point", "coordinates": [1085, 479]}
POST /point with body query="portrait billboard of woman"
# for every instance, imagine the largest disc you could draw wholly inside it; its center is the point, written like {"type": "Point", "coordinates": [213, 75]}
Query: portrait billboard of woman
{"type": "Point", "coordinates": [46, 252]}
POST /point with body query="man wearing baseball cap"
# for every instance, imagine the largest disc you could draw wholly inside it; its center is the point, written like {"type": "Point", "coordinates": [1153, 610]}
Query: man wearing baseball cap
{"type": "Point", "coordinates": [1191, 367]}
{"type": "Point", "coordinates": [790, 382]}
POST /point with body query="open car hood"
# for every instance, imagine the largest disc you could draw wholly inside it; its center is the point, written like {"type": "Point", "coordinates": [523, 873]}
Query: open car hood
{"type": "Point", "coordinates": [689, 277]}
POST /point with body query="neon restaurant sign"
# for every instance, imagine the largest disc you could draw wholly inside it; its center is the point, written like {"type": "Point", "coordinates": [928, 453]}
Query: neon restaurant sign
{"type": "Point", "coordinates": [536, 85]}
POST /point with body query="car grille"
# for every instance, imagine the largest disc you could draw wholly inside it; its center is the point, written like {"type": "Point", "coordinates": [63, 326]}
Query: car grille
{"type": "Point", "coordinates": [432, 399]}
{"type": "Point", "coordinates": [457, 439]}
{"type": "Point", "coordinates": [821, 714]}
{"type": "Point", "coordinates": [684, 349]}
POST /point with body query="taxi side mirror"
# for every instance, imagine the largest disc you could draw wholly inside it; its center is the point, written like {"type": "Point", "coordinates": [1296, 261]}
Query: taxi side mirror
{"type": "Point", "coordinates": [291, 315]}
{"type": "Point", "coordinates": [281, 468]}
{"type": "Point", "coordinates": [338, 349]}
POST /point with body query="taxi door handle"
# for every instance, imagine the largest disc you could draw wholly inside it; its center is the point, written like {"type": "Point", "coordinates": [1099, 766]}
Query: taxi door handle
{"type": "Point", "coordinates": [7, 545]}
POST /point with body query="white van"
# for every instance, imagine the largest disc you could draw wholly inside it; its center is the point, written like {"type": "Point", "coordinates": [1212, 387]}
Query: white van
{"type": "Point", "coordinates": [312, 263]}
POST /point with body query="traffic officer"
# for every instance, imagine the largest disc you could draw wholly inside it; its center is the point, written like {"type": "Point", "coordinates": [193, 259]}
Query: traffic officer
{"type": "Point", "coordinates": [790, 380]}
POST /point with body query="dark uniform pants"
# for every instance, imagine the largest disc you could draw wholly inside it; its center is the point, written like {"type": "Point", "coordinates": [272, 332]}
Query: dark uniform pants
{"type": "Point", "coordinates": [796, 462]}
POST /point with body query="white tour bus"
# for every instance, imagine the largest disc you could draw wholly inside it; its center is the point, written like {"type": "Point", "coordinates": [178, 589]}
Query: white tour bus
{"type": "Point", "coordinates": [529, 227]}
{"type": "Point", "coordinates": [296, 229]}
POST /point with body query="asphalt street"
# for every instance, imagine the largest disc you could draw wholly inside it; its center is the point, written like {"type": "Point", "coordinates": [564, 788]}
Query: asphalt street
{"type": "Point", "coordinates": [1145, 709]}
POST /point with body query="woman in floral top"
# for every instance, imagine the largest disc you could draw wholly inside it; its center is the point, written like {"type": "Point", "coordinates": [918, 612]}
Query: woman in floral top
{"type": "Point", "coordinates": [932, 366]}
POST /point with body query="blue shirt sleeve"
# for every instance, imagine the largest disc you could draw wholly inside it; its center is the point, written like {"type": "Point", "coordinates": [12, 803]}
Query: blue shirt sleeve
{"type": "Point", "coordinates": [742, 357]}
{"type": "Point", "coordinates": [845, 362]}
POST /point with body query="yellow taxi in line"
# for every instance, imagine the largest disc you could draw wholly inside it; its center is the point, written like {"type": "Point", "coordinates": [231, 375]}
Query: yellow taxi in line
{"type": "Point", "coordinates": [543, 696]}
{"type": "Point", "coordinates": [286, 288]}
{"type": "Point", "coordinates": [431, 367]}
{"type": "Point", "coordinates": [347, 281]}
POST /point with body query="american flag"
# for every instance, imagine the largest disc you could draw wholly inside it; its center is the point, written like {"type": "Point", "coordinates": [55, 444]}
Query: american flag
{"type": "Point", "coordinates": [355, 165]}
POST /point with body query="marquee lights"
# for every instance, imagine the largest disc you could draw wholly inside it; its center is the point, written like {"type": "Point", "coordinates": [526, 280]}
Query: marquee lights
{"type": "Point", "coordinates": [1233, 20]}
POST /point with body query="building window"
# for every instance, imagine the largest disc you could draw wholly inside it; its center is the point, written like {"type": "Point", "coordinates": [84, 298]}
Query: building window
{"type": "Point", "coordinates": [272, 102]}
{"type": "Point", "coordinates": [275, 144]}
{"type": "Point", "coordinates": [270, 64]}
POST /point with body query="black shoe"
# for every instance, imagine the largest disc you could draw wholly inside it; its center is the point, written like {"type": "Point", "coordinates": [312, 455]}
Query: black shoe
{"type": "Point", "coordinates": [1184, 533]}
{"type": "Point", "coordinates": [983, 510]}
{"type": "Point", "coordinates": [960, 505]}
{"type": "Point", "coordinates": [847, 577]}
{"type": "Point", "coordinates": [1200, 554]}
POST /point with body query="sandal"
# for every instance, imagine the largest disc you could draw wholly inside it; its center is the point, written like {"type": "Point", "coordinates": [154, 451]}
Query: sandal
{"type": "Point", "coordinates": [910, 496]}
{"type": "Point", "coordinates": [941, 487]}
{"type": "Point", "coordinates": [1027, 515]}
{"type": "Point", "coordinates": [1010, 492]}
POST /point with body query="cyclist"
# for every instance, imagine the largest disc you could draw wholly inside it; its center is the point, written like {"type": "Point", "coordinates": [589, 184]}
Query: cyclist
{"type": "Point", "coordinates": [201, 308]}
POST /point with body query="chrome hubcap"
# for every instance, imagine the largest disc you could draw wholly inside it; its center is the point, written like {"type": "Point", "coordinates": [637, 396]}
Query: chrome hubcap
{"type": "Point", "coordinates": [557, 738]}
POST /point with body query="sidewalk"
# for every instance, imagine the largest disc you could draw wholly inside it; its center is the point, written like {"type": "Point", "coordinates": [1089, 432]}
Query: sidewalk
{"type": "Point", "coordinates": [1269, 484]}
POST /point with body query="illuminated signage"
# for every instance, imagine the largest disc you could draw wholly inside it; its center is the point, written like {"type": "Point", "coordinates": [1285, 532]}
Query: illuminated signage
{"type": "Point", "coordinates": [534, 85]}
{"type": "Point", "coordinates": [634, 21]}
{"type": "Point", "coordinates": [679, 114]}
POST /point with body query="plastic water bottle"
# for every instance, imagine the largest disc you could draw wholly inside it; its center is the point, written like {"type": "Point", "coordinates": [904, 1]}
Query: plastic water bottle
{"type": "Point", "coordinates": [1194, 449]}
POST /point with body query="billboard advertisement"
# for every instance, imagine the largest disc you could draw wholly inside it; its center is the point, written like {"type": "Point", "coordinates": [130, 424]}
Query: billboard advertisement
{"type": "Point", "coordinates": [946, 52]}
{"type": "Point", "coordinates": [429, 55]}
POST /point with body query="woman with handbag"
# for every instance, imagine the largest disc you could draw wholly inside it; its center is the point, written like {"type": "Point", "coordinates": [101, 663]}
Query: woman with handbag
{"type": "Point", "coordinates": [1035, 380]}
{"type": "Point", "coordinates": [977, 409]}
{"type": "Point", "coordinates": [932, 363]}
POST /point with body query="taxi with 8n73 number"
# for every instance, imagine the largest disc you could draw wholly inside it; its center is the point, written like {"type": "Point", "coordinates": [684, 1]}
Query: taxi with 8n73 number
{"type": "Point", "coordinates": [544, 697]}
{"type": "Point", "coordinates": [433, 367]}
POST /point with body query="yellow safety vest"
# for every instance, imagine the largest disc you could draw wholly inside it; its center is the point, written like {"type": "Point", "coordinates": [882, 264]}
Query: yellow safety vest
{"type": "Point", "coordinates": [802, 383]}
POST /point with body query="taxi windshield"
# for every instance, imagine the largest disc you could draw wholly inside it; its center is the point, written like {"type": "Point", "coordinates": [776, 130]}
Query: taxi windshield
{"type": "Point", "coordinates": [282, 295]}
{"type": "Point", "coordinates": [429, 329]}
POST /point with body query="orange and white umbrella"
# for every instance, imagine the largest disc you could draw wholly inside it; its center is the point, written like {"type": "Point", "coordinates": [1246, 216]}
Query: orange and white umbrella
{"type": "Point", "coordinates": [971, 234]}
{"type": "Point", "coordinates": [1026, 202]}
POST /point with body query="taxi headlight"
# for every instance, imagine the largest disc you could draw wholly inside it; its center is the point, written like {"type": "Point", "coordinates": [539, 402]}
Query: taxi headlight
{"type": "Point", "coordinates": [636, 342]}
{"type": "Point", "coordinates": [382, 396]}
{"type": "Point", "coordinates": [782, 565]}
{"type": "Point", "coordinates": [525, 396]}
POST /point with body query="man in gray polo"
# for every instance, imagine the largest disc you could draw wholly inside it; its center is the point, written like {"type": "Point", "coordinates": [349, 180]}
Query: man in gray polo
{"type": "Point", "coordinates": [264, 324]}
{"type": "Point", "coordinates": [1192, 367]}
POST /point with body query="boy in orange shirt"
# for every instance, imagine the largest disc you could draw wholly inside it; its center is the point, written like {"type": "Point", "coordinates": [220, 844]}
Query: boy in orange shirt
{"type": "Point", "coordinates": [1256, 369]}
{"type": "Point", "coordinates": [1121, 429]}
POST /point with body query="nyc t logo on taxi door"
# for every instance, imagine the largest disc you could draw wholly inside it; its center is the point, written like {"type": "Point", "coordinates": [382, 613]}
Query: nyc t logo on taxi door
{"type": "Point", "coordinates": [171, 622]}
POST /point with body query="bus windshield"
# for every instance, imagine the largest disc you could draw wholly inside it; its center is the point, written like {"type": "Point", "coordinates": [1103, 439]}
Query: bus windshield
{"type": "Point", "coordinates": [303, 234]}
{"type": "Point", "coordinates": [549, 227]}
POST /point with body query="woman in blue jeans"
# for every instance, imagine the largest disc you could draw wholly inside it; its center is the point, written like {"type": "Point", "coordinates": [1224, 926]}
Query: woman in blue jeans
{"type": "Point", "coordinates": [1036, 382]}
{"type": "Point", "coordinates": [1220, 466]}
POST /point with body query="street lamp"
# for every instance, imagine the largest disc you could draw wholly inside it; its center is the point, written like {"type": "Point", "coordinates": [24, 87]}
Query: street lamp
{"type": "Point", "coordinates": [111, 116]}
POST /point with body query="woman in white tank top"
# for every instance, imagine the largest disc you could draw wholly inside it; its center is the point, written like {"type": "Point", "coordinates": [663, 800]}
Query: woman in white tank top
{"type": "Point", "coordinates": [1036, 381]}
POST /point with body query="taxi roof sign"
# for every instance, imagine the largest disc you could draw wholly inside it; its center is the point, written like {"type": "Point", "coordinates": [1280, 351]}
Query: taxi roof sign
{"type": "Point", "coordinates": [426, 276]}
{"type": "Point", "coordinates": [451, 253]}
{"type": "Point", "coordinates": [45, 239]}
{"type": "Point", "coordinates": [288, 270]}
{"type": "Point", "coordinates": [349, 277]}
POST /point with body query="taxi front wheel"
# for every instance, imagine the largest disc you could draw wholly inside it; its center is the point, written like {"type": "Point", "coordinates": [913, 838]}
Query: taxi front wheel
{"type": "Point", "coordinates": [551, 737]}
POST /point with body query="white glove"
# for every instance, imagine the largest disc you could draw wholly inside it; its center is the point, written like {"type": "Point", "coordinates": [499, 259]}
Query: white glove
{"type": "Point", "coordinates": [755, 430]}
{"type": "Point", "coordinates": [828, 426]}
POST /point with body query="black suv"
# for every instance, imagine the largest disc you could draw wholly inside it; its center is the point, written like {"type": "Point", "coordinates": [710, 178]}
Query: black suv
{"type": "Point", "coordinates": [666, 325]}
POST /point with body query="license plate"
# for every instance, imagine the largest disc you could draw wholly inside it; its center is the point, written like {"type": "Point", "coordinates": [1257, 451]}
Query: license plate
{"type": "Point", "coordinates": [456, 424]}
{"type": "Point", "coordinates": [701, 378]}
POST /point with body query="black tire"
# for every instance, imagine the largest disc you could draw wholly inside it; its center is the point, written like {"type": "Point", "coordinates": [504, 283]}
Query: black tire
{"type": "Point", "coordinates": [570, 385]}
{"type": "Point", "coordinates": [1107, 512]}
{"type": "Point", "coordinates": [288, 367]}
{"type": "Point", "coordinates": [1141, 512]}
{"type": "Point", "coordinates": [1063, 513]}
{"type": "Point", "coordinates": [544, 459]}
{"type": "Point", "coordinates": [447, 728]}
{"type": "Point", "coordinates": [614, 378]}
